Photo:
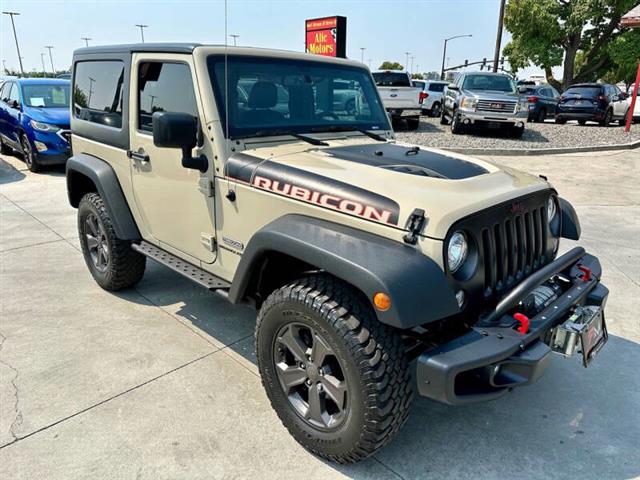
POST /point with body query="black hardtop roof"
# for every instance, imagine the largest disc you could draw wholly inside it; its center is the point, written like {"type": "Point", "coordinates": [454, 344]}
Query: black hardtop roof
{"type": "Point", "coordinates": [165, 47]}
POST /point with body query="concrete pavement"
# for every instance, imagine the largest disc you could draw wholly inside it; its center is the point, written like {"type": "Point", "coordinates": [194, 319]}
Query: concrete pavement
{"type": "Point", "coordinates": [160, 381]}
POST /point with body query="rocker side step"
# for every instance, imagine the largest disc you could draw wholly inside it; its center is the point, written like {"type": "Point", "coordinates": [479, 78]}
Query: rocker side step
{"type": "Point", "coordinates": [189, 270]}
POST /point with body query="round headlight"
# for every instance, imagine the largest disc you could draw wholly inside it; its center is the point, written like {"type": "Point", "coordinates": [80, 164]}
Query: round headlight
{"type": "Point", "coordinates": [552, 210]}
{"type": "Point", "coordinates": [457, 251]}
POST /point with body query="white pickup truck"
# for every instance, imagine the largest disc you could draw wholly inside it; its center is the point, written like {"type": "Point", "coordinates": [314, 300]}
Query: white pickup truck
{"type": "Point", "coordinates": [401, 99]}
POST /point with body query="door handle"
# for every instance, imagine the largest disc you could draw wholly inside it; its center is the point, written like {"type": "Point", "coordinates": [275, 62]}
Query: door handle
{"type": "Point", "coordinates": [143, 157]}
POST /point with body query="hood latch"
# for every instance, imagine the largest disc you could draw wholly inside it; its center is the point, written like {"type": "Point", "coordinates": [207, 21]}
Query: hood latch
{"type": "Point", "coordinates": [415, 224]}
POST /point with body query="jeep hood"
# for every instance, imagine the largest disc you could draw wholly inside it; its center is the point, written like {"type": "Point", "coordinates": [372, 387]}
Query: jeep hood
{"type": "Point", "coordinates": [382, 182]}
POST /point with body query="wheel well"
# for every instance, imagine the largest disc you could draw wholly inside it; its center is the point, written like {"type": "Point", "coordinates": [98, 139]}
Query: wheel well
{"type": "Point", "coordinates": [78, 186]}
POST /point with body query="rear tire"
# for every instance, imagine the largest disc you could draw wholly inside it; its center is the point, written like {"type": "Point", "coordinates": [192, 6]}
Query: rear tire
{"type": "Point", "coordinates": [561, 121]}
{"type": "Point", "coordinates": [541, 116]}
{"type": "Point", "coordinates": [582, 123]}
{"type": "Point", "coordinates": [436, 110]}
{"type": "Point", "coordinates": [5, 149]}
{"type": "Point", "coordinates": [111, 261]}
{"type": "Point", "coordinates": [623, 121]}
{"type": "Point", "coordinates": [413, 123]}
{"type": "Point", "coordinates": [359, 360]}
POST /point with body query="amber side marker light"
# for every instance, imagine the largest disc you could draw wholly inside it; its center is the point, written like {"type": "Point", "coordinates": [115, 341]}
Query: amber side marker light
{"type": "Point", "coordinates": [382, 301]}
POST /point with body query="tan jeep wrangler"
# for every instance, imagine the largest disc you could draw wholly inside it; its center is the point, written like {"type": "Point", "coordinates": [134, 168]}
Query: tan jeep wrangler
{"type": "Point", "coordinates": [378, 268]}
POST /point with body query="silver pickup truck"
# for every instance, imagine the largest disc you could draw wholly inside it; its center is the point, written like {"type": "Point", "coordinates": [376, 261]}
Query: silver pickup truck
{"type": "Point", "coordinates": [484, 99]}
{"type": "Point", "coordinates": [401, 98]}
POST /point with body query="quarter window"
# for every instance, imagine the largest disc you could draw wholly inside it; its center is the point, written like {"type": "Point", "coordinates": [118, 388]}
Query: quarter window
{"type": "Point", "coordinates": [164, 87]}
{"type": "Point", "coordinates": [14, 96]}
{"type": "Point", "coordinates": [97, 92]}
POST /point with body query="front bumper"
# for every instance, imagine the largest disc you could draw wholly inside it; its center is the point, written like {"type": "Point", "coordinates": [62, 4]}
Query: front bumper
{"type": "Point", "coordinates": [50, 148]}
{"type": "Point", "coordinates": [493, 358]}
{"type": "Point", "coordinates": [469, 117]}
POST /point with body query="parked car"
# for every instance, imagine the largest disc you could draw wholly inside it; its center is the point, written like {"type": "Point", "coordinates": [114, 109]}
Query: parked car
{"type": "Point", "coordinates": [484, 99]}
{"type": "Point", "coordinates": [542, 101]}
{"type": "Point", "coordinates": [636, 110]}
{"type": "Point", "coordinates": [401, 99]}
{"type": "Point", "coordinates": [596, 102]}
{"type": "Point", "coordinates": [432, 96]}
{"type": "Point", "coordinates": [34, 120]}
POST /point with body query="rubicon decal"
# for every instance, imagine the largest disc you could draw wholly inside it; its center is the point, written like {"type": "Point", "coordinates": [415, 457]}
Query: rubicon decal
{"type": "Point", "coordinates": [312, 188]}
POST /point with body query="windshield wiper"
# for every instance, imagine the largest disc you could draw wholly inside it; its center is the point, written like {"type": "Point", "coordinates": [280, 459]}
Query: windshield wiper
{"type": "Point", "coordinates": [267, 133]}
{"type": "Point", "coordinates": [343, 128]}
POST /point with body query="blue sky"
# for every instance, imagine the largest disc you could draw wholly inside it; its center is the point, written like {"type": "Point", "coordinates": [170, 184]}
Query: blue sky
{"type": "Point", "coordinates": [386, 28]}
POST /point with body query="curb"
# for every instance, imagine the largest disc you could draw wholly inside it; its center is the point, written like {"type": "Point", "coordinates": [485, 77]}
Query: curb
{"type": "Point", "coordinates": [543, 151]}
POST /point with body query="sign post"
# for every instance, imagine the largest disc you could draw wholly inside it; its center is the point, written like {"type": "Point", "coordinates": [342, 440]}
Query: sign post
{"type": "Point", "coordinates": [326, 36]}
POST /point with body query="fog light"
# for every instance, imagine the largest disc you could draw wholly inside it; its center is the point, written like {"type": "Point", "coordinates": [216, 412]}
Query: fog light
{"type": "Point", "coordinates": [460, 298]}
{"type": "Point", "coordinates": [41, 147]}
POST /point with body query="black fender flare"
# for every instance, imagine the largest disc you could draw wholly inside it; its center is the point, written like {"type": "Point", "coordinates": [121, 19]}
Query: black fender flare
{"type": "Point", "coordinates": [419, 290]}
{"type": "Point", "coordinates": [106, 182]}
{"type": "Point", "coordinates": [571, 228]}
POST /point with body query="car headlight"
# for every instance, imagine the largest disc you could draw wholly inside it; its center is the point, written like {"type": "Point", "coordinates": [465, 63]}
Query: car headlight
{"type": "Point", "coordinates": [457, 251]}
{"type": "Point", "coordinates": [552, 209]}
{"type": "Point", "coordinates": [44, 127]}
{"type": "Point", "coordinates": [469, 103]}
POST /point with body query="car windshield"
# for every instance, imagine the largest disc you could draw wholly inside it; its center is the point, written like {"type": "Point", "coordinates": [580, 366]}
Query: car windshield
{"type": "Point", "coordinates": [496, 83]}
{"type": "Point", "coordinates": [269, 96]}
{"type": "Point", "coordinates": [46, 95]}
{"type": "Point", "coordinates": [590, 92]}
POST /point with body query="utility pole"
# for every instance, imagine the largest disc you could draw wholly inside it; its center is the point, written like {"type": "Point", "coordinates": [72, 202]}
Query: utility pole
{"type": "Point", "coordinates": [411, 71]}
{"type": "Point", "coordinates": [50, 47]}
{"type": "Point", "coordinates": [86, 40]}
{"type": "Point", "coordinates": [141, 27]}
{"type": "Point", "coordinates": [235, 38]}
{"type": "Point", "coordinates": [362, 49]}
{"type": "Point", "coordinates": [91, 80]}
{"type": "Point", "coordinates": [406, 63]}
{"type": "Point", "coordinates": [44, 70]}
{"type": "Point", "coordinates": [496, 54]}
{"type": "Point", "coordinates": [15, 36]}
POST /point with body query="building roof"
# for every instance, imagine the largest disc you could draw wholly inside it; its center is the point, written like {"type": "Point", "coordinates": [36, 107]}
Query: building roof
{"type": "Point", "coordinates": [632, 19]}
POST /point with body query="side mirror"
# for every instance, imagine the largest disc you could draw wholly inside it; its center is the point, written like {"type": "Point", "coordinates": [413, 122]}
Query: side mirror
{"type": "Point", "coordinates": [453, 86]}
{"type": "Point", "coordinates": [15, 104]}
{"type": "Point", "coordinates": [179, 130]}
{"type": "Point", "coordinates": [623, 96]}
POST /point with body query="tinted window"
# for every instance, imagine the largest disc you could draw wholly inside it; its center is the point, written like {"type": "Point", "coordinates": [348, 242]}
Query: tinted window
{"type": "Point", "coordinates": [590, 92]}
{"type": "Point", "coordinates": [391, 79]}
{"type": "Point", "coordinates": [164, 87]}
{"type": "Point", "coordinates": [418, 83]}
{"type": "Point", "coordinates": [97, 92]}
{"type": "Point", "coordinates": [279, 96]}
{"type": "Point", "coordinates": [46, 96]}
{"type": "Point", "coordinates": [497, 83]}
{"type": "Point", "coordinates": [14, 94]}
{"type": "Point", "coordinates": [436, 87]}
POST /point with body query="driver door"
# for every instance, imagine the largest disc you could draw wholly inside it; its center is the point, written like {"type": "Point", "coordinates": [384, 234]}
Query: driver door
{"type": "Point", "coordinates": [179, 216]}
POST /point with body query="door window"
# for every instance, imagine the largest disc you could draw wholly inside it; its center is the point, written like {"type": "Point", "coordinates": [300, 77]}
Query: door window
{"type": "Point", "coordinates": [14, 96]}
{"type": "Point", "coordinates": [164, 87]}
{"type": "Point", "coordinates": [97, 92]}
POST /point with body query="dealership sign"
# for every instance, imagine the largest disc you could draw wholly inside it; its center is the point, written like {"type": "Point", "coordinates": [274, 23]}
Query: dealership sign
{"type": "Point", "coordinates": [327, 36]}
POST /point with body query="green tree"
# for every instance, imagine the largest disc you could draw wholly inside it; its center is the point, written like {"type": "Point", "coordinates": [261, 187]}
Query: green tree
{"type": "Point", "coordinates": [417, 76]}
{"type": "Point", "coordinates": [387, 65]}
{"type": "Point", "coordinates": [576, 34]}
{"type": "Point", "coordinates": [625, 55]}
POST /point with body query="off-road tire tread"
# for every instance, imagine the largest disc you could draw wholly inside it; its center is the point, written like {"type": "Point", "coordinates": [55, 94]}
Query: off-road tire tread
{"type": "Point", "coordinates": [377, 349]}
{"type": "Point", "coordinates": [127, 266]}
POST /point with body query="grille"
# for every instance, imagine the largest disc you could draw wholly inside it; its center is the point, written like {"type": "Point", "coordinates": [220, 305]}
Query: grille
{"type": "Point", "coordinates": [513, 248]}
{"type": "Point", "coordinates": [496, 106]}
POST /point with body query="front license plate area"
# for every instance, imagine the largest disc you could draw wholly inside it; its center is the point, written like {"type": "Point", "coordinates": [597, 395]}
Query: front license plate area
{"type": "Point", "coordinates": [585, 331]}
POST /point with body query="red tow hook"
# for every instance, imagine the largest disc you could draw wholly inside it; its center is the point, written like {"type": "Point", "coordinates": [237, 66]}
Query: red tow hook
{"type": "Point", "coordinates": [524, 322]}
{"type": "Point", "coordinates": [587, 273]}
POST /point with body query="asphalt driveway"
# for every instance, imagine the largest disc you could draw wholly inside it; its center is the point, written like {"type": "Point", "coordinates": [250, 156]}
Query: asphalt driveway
{"type": "Point", "coordinates": [160, 381]}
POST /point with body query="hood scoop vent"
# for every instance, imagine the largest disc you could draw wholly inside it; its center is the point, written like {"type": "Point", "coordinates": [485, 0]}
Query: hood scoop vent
{"type": "Point", "coordinates": [419, 161]}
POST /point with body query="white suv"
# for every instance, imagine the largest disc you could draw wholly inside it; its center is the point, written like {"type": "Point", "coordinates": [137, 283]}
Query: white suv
{"type": "Point", "coordinates": [432, 103]}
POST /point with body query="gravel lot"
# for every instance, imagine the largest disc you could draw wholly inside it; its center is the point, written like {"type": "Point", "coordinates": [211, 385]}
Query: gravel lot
{"type": "Point", "coordinates": [536, 136]}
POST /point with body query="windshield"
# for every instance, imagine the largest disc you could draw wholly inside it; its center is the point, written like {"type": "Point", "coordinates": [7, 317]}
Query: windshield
{"type": "Point", "coordinates": [496, 83]}
{"type": "Point", "coordinates": [46, 96]}
{"type": "Point", "coordinates": [276, 96]}
{"type": "Point", "coordinates": [590, 92]}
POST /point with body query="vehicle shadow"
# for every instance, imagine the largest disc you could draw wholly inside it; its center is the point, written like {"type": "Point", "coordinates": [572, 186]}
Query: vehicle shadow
{"type": "Point", "coordinates": [573, 423]}
{"type": "Point", "coordinates": [9, 173]}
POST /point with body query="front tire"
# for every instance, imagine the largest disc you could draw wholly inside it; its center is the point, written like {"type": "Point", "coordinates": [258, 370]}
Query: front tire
{"type": "Point", "coordinates": [336, 376]}
{"type": "Point", "coordinates": [111, 261]}
{"type": "Point", "coordinates": [28, 155]}
{"type": "Point", "coordinates": [456, 125]}
{"type": "Point", "coordinates": [608, 116]}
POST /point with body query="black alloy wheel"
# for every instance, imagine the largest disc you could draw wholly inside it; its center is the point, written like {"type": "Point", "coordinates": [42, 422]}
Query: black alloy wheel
{"type": "Point", "coordinates": [28, 154]}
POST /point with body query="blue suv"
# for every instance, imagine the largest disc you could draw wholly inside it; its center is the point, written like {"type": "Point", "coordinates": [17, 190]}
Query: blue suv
{"type": "Point", "coordinates": [34, 120]}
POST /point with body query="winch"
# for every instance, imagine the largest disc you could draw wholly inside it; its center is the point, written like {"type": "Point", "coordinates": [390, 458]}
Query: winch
{"type": "Point", "coordinates": [540, 298]}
